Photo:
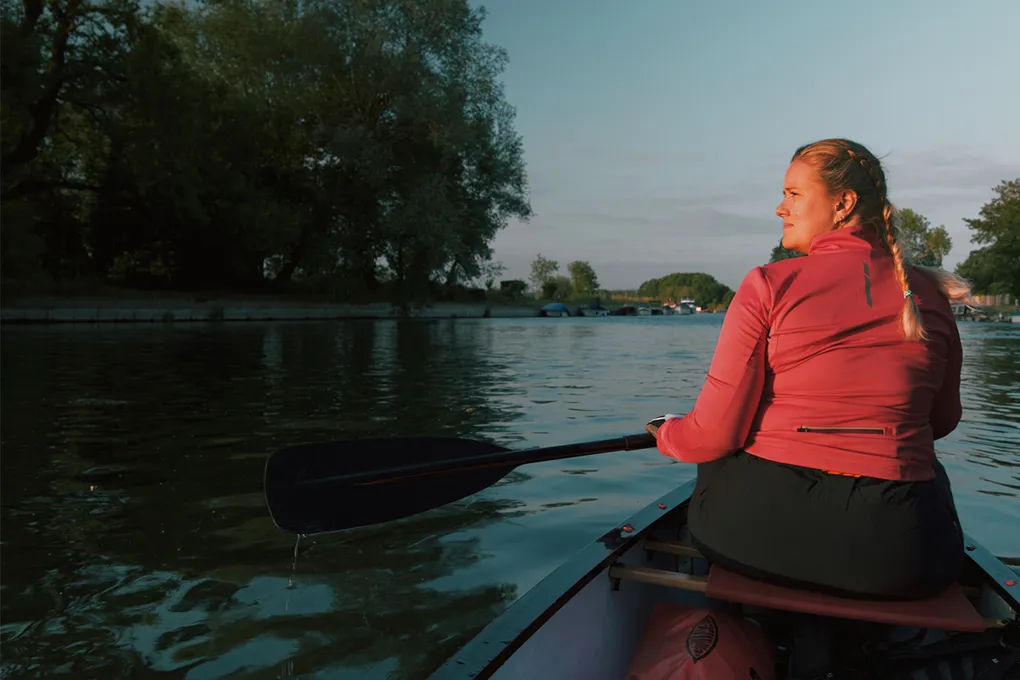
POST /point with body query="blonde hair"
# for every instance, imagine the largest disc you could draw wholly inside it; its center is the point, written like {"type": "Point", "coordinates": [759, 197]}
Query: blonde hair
{"type": "Point", "coordinates": [843, 165]}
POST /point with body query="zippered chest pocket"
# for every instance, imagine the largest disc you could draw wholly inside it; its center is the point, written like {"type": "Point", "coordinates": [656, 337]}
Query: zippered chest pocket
{"type": "Point", "coordinates": [821, 429]}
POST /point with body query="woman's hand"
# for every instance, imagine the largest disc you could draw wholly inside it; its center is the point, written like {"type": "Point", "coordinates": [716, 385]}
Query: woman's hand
{"type": "Point", "coordinates": [654, 424]}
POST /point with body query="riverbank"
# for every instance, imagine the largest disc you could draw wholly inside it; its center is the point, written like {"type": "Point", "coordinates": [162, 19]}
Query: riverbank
{"type": "Point", "coordinates": [176, 309]}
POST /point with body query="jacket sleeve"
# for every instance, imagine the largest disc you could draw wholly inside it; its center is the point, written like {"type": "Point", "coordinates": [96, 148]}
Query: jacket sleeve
{"type": "Point", "coordinates": [946, 409]}
{"type": "Point", "coordinates": [721, 418]}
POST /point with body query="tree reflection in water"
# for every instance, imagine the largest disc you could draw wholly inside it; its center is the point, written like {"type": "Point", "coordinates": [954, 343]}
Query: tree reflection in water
{"type": "Point", "coordinates": [136, 538]}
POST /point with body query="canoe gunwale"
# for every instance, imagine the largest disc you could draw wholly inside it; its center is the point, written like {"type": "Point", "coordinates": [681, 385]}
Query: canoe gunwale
{"type": "Point", "coordinates": [484, 654]}
{"type": "Point", "coordinates": [489, 650]}
{"type": "Point", "coordinates": [997, 572]}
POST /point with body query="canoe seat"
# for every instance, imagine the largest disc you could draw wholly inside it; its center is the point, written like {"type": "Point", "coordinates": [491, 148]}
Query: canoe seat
{"type": "Point", "coordinates": [950, 610]}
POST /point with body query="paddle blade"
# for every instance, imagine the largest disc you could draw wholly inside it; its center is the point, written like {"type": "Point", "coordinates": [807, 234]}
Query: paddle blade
{"type": "Point", "coordinates": [315, 488]}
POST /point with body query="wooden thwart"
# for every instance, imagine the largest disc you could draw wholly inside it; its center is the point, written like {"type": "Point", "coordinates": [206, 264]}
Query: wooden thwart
{"type": "Point", "coordinates": [684, 550]}
{"type": "Point", "coordinates": [659, 577]}
{"type": "Point", "coordinates": [674, 548]}
{"type": "Point", "coordinates": [949, 610]}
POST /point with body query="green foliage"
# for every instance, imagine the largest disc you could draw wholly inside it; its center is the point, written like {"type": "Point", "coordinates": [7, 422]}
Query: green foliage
{"type": "Point", "coordinates": [543, 270]}
{"type": "Point", "coordinates": [923, 244]}
{"type": "Point", "coordinates": [995, 268]}
{"type": "Point", "coordinates": [781, 253]}
{"type": "Point", "coordinates": [348, 141]}
{"type": "Point", "coordinates": [705, 290]}
{"type": "Point", "coordinates": [583, 279]}
{"type": "Point", "coordinates": [558, 288]}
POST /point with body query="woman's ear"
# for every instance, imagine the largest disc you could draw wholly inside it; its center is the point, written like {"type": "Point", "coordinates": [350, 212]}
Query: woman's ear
{"type": "Point", "coordinates": [845, 204]}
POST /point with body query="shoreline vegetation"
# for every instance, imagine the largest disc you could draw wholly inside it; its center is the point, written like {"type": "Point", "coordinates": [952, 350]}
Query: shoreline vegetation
{"type": "Point", "coordinates": [93, 301]}
{"type": "Point", "coordinates": [154, 152]}
{"type": "Point", "coordinates": [103, 304]}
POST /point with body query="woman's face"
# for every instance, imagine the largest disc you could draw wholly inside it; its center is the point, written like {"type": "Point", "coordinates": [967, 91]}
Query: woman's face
{"type": "Point", "coordinates": [807, 210]}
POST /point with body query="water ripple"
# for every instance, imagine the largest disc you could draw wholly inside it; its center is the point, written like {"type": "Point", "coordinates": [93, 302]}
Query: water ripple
{"type": "Point", "coordinates": [136, 542]}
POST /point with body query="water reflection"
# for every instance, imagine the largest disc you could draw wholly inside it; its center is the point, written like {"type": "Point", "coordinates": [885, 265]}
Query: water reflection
{"type": "Point", "coordinates": [132, 509]}
{"type": "Point", "coordinates": [136, 541]}
{"type": "Point", "coordinates": [983, 454]}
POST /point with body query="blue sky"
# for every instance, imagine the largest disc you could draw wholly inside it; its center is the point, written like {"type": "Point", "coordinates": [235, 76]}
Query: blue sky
{"type": "Point", "coordinates": [657, 132]}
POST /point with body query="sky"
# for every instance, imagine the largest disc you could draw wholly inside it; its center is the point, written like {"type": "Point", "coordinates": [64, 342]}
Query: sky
{"type": "Point", "coordinates": [657, 132]}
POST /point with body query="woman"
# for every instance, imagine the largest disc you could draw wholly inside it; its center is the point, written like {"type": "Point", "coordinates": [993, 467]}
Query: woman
{"type": "Point", "coordinates": [833, 376]}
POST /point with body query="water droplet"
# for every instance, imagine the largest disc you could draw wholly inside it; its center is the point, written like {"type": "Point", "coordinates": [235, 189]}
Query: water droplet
{"type": "Point", "coordinates": [293, 566]}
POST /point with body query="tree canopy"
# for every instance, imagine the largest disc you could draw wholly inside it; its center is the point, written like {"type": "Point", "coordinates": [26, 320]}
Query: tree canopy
{"type": "Point", "coordinates": [995, 267]}
{"type": "Point", "coordinates": [543, 270]}
{"type": "Point", "coordinates": [781, 253]}
{"type": "Point", "coordinates": [219, 143]}
{"type": "Point", "coordinates": [583, 279]}
{"type": "Point", "coordinates": [924, 245]}
{"type": "Point", "coordinates": [704, 288]}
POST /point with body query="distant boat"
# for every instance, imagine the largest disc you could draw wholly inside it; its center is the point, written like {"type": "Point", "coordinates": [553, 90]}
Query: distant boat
{"type": "Point", "coordinates": [554, 309]}
{"type": "Point", "coordinates": [593, 309]}
{"type": "Point", "coordinates": [684, 307]}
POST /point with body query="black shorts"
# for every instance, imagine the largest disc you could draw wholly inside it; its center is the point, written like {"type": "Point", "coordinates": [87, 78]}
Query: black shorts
{"type": "Point", "coordinates": [800, 527]}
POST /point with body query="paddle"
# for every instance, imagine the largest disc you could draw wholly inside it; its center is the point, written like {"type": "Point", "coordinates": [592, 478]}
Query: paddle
{"type": "Point", "coordinates": [331, 486]}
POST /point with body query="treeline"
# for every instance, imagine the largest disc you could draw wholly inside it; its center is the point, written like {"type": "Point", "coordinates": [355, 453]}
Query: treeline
{"type": "Point", "coordinates": [582, 283]}
{"type": "Point", "coordinates": [992, 269]}
{"type": "Point", "coordinates": [548, 284]}
{"type": "Point", "coordinates": [354, 144]}
{"type": "Point", "coordinates": [703, 288]}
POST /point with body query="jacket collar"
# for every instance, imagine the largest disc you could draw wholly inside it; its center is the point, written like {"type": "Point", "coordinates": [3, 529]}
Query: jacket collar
{"type": "Point", "coordinates": [852, 237]}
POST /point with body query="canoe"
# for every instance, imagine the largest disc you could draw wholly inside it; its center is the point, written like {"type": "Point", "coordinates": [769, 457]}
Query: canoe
{"type": "Point", "coordinates": [587, 620]}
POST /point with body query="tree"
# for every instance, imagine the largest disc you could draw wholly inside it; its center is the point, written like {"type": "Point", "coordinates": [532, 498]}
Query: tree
{"type": "Point", "coordinates": [490, 272]}
{"type": "Point", "coordinates": [781, 253]}
{"type": "Point", "coordinates": [212, 144]}
{"type": "Point", "coordinates": [583, 279]}
{"type": "Point", "coordinates": [557, 288]}
{"type": "Point", "coordinates": [702, 287]}
{"type": "Point", "coordinates": [995, 268]}
{"type": "Point", "coordinates": [923, 244]}
{"type": "Point", "coordinates": [542, 271]}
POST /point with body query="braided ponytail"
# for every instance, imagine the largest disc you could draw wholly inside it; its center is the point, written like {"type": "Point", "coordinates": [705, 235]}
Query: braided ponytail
{"type": "Point", "coordinates": [913, 325]}
{"type": "Point", "coordinates": [844, 165]}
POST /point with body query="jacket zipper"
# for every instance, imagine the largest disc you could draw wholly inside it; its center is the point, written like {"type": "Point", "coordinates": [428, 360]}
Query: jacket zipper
{"type": "Point", "coordinates": [842, 430]}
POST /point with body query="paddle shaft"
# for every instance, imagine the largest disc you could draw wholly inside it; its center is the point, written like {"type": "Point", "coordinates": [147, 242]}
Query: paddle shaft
{"type": "Point", "coordinates": [508, 459]}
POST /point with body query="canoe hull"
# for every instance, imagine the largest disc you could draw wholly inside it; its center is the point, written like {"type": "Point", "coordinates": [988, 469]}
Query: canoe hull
{"type": "Point", "coordinates": [580, 624]}
{"type": "Point", "coordinates": [527, 641]}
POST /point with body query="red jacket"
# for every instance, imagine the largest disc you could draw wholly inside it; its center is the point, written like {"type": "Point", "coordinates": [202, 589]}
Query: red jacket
{"type": "Point", "coordinates": [811, 368]}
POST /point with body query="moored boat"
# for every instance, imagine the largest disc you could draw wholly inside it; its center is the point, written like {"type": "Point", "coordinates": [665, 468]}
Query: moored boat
{"type": "Point", "coordinates": [684, 307]}
{"type": "Point", "coordinates": [589, 618]}
{"type": "Point", "coordinates": [554, 309]}
{"type": "Point", "coordinates": [593, 309]}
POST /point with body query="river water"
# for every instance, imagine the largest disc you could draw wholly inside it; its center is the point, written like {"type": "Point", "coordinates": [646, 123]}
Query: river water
{"type": "Point", "coordinates": [135, 538]}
